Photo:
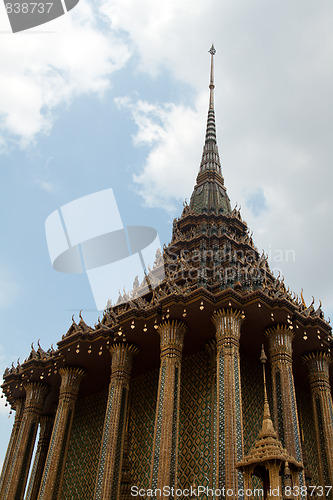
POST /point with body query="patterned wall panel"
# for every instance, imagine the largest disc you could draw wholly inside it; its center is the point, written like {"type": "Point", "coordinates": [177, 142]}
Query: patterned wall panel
{"type": "Point", "coordinates": [195, 427]}
{"type": "Point", "coordinates": [141, 427]}
{"type": "Point", "coordinates": [307, 424]}
{"type": "Point", "coordinates": [84, 446]}
{"type": "Point", "coordinates": [253, 399]}
{"type": "Point", "coordinates": [253, 403]}
{"type": "Point", "coordinates": [194, 462]}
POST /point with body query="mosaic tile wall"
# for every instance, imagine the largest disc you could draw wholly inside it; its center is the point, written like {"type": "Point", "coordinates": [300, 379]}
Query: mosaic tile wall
{"type": "Point", "coordinates": [83, 453]}
{"type": "Point", "coordinates": [253, 403]}
{"type": "Point", "coordinates": [195, 419]}
{"type": "Point", "coordinates": [304, 405]}
{"type": "Point", "coordinates": [195, 422]}
{"type": "Point", "coordinates": [195, 425]}
{"type": "Point", "coordinates": [253, 398]}
{"type": "Point", "coordinates": [141, 426]}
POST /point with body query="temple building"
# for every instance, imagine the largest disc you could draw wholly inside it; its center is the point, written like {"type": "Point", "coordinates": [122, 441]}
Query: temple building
{"type": "Point", "coordinates": [167, 389]}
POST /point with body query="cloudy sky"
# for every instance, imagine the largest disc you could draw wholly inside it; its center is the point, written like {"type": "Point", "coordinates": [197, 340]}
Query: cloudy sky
{"type": "Point", "coordinates": [115, 94]}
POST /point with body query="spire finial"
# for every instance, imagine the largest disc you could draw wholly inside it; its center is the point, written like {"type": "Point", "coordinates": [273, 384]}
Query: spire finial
{"type": "Point", "coordinates": [212, 52]}
{"type": "Point", "coordinates": [209, 194]}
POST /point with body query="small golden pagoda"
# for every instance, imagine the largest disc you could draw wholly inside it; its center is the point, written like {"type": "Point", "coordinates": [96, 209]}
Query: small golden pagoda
{"type": "Point", "coordinates": [268, 460]}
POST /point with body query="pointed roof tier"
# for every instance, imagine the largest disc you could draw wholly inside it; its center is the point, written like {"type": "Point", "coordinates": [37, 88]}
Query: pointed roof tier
{"type": "Point", "coordinates": [209, 193]}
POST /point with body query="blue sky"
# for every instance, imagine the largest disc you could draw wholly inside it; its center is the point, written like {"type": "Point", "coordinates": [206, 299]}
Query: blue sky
{"type": "Point", "coordinates": [115, 94]}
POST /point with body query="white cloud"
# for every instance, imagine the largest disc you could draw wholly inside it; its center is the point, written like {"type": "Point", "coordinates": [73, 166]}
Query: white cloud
{"type": "Point", "coordinates": [40, 70]}
{"type": "Point", "coordinates": [162, 32]}
{"type": "Point", "coordinates": [174, 134]}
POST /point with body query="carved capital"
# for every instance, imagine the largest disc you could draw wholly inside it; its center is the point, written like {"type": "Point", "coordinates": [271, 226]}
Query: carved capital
{"type": "Point", "coordinates": [35, 394]}
{"type": "Point", "coordinates": [172, 338]}
{"type": "Point", "coordinates": [280, 340]}
{"type": "Point", "coordinates": [70, 382]}
{"type": "Point", "coordinates": [228, 327]}
{"type": "Point", "coordinates": [122, 358]}
{"type": "Point", "coordinates": [318, 364]}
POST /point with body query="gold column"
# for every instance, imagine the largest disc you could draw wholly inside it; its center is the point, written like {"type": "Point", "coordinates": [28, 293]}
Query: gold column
{"type": "Point", "coordinates": [284, 397]}
{"type": "Point", "coordinates": [229, 418]}
{"type": "Point", "coordinates": [111, 454]}
{"type": "Point", "coordinates": [19, 407]}
{"type": "Point", "coordinates": [318, 369]}
{"type": "Point", "coordinates": [165, 448]}
{"type": "Point", "coordinates": [50, 487]}
{"type": "Point", "coordinates": [18, 474]}
{"type": "Point", "coordinates": [45, 431]}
